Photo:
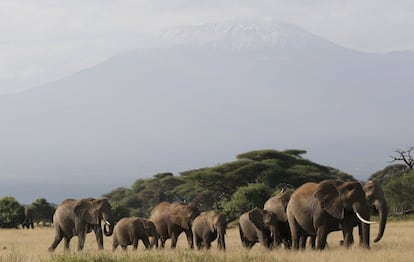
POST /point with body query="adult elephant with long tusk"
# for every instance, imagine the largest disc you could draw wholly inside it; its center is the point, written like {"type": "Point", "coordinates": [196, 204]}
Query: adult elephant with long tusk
{"type": "Point", "coordinates": [67, 221]}
{"type": "Point", "coordinates": [105, 216]}
{"type": "Point", "coordinates": [73, 218]}
{"type": "Point", "coordinates": [315, 210]}
{"type": "Point", "coordinates": [376, 200]}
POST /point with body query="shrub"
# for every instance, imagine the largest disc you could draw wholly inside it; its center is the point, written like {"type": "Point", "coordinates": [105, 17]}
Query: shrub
{"type": "Point", "coordinates": [11, 212]}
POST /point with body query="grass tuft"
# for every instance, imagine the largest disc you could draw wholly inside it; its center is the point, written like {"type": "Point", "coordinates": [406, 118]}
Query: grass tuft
{"type": "Point", "coordinates": [31, 246]}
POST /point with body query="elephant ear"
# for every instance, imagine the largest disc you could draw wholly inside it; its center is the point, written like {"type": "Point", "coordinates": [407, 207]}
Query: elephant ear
{"type": "Point", "coordinates": [256, 216]}
{"type": "Point", "coordinates": [213, 221]}
{"type": "Point", "coordinates": [101, 206]}
{"type": "Point", "coordinates": [330, 199]}
{"type": "Point", "coordinates": [85, 211]}
{"type": "Point", "coordinates": [180, 220]}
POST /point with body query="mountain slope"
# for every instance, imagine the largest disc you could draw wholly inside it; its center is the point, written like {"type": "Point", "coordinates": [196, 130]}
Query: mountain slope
{"type": "Point", "coordinates": [188, 105]}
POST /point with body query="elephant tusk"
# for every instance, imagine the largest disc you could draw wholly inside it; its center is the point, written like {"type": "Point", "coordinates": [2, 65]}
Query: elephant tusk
{"type": "Point", "coordinates": [106, 222]}
{"type": "Point", "coordinates": [363, 220]}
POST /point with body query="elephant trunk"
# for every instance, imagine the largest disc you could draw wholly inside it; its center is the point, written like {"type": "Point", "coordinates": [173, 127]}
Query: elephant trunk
{"type": "Point", "coordinates": [108, 228]}
{"type": "Point", "coordinates": [274, 232]}
{"type": "Point", "coordinates": [382, 208]}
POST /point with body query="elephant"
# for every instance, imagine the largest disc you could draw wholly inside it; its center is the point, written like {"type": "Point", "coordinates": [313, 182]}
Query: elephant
{"type": "Point", "coordinates": [28, 218]}
{"type": "Point", "coordinates": [39, 213]}
{"type": "Point", "coordinates": [257, 225]}
{"type": "Point", "coordinates": [104, 213]}
{"type": "Point", "coordinates": [207, 227]}
{"type": "Point", "coordinates": [315, 210]}
{"type": "Point", "coordinates": [72, 218]}
{"type": "Point", "coordinates": [151, 232]}
{"type": "Point", "coordinates": [65, 221]}
{"type": "Point", "coordinates": [278, 204]}
{"type": "Point", "coordinates": [128, 231]}
{"type": "Point", "coordinates": [376, 200]}
{"type": "Point", "coordinates": [171, 219]}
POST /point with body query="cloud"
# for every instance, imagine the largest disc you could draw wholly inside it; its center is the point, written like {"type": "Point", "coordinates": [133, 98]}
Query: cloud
{"type": "Point", "coordinates": [44, 40]}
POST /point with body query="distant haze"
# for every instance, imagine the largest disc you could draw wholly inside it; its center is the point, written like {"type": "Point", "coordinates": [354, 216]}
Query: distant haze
{"type": "Point", "coordinates": [210, 92]}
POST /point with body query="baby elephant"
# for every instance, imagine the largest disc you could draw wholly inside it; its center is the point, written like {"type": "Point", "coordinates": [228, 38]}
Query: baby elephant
{"type": "Point", "coordinates": [128, 231]}
{"type": "Point", "coordinates": [255, 226]}
{"type": "Point", "coordinates": [207, 227]}
{"type": "Point", "coordinates": [151, 232]}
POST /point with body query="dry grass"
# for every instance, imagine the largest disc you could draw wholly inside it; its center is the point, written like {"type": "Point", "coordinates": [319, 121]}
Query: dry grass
{"type": "Point", "coordinates": [31, 245]}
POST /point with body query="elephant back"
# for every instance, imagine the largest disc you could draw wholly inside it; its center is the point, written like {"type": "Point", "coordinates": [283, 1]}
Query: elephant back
{"type": "Point", "coordinates": [278, 204]}
{"type": "Point", "coordinates": [166, 215]}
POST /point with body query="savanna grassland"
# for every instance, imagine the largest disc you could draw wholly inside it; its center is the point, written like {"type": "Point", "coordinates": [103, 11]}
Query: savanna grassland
{"type": "Point", "coordinates": [31, 245]}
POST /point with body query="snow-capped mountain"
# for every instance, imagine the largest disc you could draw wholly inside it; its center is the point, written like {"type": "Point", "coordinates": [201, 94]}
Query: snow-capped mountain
{"type": "Point", "coordinates": [191, 104]}
{"type": "Point", "coordinates": [244, 34]}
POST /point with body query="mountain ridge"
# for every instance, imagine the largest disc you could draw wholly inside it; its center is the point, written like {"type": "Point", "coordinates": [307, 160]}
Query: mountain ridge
{"type": "Point", "coordinates": [180, 107]}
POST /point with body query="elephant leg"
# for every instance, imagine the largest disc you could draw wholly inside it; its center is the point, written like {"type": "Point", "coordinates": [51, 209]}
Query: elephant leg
{"type": "Point", "coordinates": [162, 242]}
{"type": "Point", "coordinates": [154, 242]}
{"type": "Point", "coordinates": [135, 244]}
{"type": "Point", "coordinates": [361, 235]}
{"type": "Point", "coordinates": [250, 244]}
{"type": "Point", "coordinates": [67, 242]}
{"type": "Point", "coordinates": [312, 241]}
{"type": "Point", "coordinates": [198, 242]}
{"type": "Point", "coordinates": [189, 235]}
{"type": "Point", "coordinates": [146, 242]}
{"type": "Point", "coordinates": [173, 240]}
{"type": "Point", "coordinates": [56, 241]}
{"type": "Point", "coordinates": [99, 236]}
{"type": "Point", "coordinates": [321, 236]}
{"type": "Point", "coordinates": [348, 237]}
{"type": "Point", "coordinates": [364, 237]}
{"type": "Point", "coordinates": [302, 242]}
{"type": "Point", "coordinates": [207, 243]}
{"type": "Point", "coordinates": [294, 231]}
{"type": "Point", "coordinates": [151, 241]}
{"type": "Point", "coordinates": [114, 246]}
{"type": "Point", "coordinates": [244, 242]}
{"type": "Point", "coordinates": [222, 243]}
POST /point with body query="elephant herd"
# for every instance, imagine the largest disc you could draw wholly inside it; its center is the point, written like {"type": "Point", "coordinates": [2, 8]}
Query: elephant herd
{"type": "Point", "coordinates": [313, 211]}
{"type": "Point", "coordinates": [288, 219]}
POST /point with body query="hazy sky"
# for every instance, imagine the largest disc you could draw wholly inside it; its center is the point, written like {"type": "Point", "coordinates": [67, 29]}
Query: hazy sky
{"type": "Point", "coordinates": [44, 40]}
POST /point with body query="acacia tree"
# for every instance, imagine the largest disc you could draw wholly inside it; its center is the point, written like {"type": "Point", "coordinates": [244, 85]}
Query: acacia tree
{"type": "Point", "coordinates": [43, 211]}
{"type": "Point", "coordinates": [405, 156]}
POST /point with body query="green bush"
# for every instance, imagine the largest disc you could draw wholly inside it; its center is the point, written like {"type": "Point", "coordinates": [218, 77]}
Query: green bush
{"type": "Point", "coordinates": [246, 198]}
{"type": "Point", "coordinates": [399, 192]}
{"type": "Point", "coordinates": [11, 212]}
{"type": "Point", "coordinates": [119, 211]}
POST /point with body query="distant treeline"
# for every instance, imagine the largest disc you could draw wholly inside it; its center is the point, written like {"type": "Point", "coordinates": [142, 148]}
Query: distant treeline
{"type": "Point", "coordinates": [231, 188]}
{"type": "Point", "coordinates": [397, 181]}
